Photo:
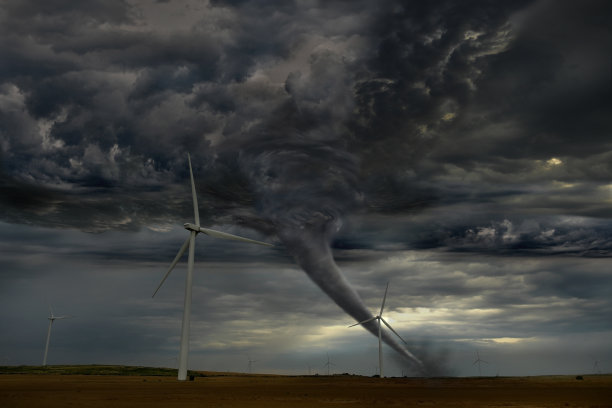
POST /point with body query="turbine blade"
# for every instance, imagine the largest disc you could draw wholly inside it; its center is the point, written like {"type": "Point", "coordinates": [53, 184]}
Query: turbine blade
{"type": "Point", "coordinates": [173, 264]}
{"type": "Point", "coordinates": [196, 213]}
{"type": "Point", "coordinates": [225, 235]}
{"type": "Point", "coordinates": [365, 321]}
{"type": "Point", "coordinates": [391, 328]}
{"type": "Point", "coordinates": [384, 298]}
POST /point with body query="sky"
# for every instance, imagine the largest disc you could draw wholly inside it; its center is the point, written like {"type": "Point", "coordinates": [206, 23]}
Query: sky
{"type": "Point", "coordinates": [460, 151]}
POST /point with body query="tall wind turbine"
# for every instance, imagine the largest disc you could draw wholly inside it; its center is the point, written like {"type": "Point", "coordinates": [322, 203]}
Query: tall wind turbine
{"type": "Point", "coordinates": [478, 361]}
{"type": "Point", "coordinates": [194, 229]}
{"type": "Point", "coordinates": [381, 319]}
{"type": "Point", "coordinates": [51, 318]}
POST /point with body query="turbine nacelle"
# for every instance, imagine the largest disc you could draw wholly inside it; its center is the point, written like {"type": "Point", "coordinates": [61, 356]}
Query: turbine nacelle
{"type": "Point", "coordinates": [191, 227]}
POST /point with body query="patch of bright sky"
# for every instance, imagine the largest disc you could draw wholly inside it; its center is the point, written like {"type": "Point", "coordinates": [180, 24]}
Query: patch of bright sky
{"type": "Point", "coordinates": [449, 116]}
{"type": "Point", "coordinates": [511, 340]}
{"type": "Point", "coordinates": [607, 190]}
{"type": "Point", "coordinates": [560, 184]}
{"type": "Point", "coordinates": [450, 323]}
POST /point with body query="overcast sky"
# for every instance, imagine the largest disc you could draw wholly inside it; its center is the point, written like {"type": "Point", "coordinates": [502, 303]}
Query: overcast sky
{"type": "Point", "coordinates": [461, 151]}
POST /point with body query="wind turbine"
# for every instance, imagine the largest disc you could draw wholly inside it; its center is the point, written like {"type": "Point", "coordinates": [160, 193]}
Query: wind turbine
{"type": "Point", "coordinates": [194, 229]}
{"type": "Point", "coordinates": [596, 368]}
{"type": "Point", "coordinates": [51, 318]}
{"type": "Point", "coordinates": [381, 319]}
{"type": "Point", "coordinates": [328, 364]}
{"type": "Point", "coordinates": [251, 363]}
{"type": "Point", "coordinates": [478, 361]}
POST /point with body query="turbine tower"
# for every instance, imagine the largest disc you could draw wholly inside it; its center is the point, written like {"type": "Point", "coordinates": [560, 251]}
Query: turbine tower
{"type": "Point", "coordinates": [194, 229]}
{"type": "Point", "coordinates": [51, 318]}
{"type": "Point", "coordinates": [478, 361]}
{"type": "Point", "coordinates": [381, 319]}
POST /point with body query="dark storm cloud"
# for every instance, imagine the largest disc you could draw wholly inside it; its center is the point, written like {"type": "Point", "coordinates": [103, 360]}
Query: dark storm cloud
{"type": "Point", "coordinates": [550, 89]}
{"type": "Point", "coordinates": [97, 10]}
{"type": "Point", "coordinates": [426, 61]}
{"type": "Point", "coordinates": [447, 116]}
{"type": "Point", "coordinates": [558, 78]}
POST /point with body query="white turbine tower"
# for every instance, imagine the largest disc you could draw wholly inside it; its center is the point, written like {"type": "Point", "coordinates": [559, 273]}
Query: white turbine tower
{"type": "Point", "coordinates": [51, 318]}
{"type": "Point", "coordinates": [381, 319]}
{"type": "Point", "coordinates": [193, 229]}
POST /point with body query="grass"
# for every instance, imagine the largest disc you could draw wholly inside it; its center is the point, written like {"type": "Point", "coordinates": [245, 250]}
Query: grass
{"type": "Point", "coordinates": [93, 369]}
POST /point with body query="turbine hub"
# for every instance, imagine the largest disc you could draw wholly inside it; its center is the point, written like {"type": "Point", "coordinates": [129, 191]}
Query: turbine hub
{"type": "Point", "coordinates": [189, 226]}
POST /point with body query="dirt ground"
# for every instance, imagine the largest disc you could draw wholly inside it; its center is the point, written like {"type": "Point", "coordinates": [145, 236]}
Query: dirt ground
{"type": "Point", "coordinates": [25, 390]}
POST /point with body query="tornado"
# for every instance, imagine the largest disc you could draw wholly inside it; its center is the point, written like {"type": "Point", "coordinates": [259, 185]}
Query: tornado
{"type": "Point", "coordinates": [309, 245]}
{"type": "Point", "coordinates": [303, 190]}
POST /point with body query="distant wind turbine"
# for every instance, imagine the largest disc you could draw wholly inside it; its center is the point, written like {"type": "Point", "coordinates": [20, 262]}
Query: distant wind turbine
{"type": "Point", "coordinates": [194, 229]}
{"type": "Point", "coordinates": [381, 319]}
{"type": "Point", "coordinates": [328, 364]}
{"type": "Point", "coordinates": [251, 364]}
{"type": "Point", "coordinates": [596, 368]}
{"type": "Point", "coordinates": [478, 361]}
{"type": "Point", "coordinates": [51, 318]}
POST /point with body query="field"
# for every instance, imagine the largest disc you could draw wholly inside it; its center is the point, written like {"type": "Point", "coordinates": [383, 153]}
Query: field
{"type": "Point", "coordinates": [116, 386]}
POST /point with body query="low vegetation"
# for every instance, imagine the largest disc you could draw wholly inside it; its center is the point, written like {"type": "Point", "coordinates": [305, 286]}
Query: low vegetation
{"type": "Point", "coordinates": [89, 370]}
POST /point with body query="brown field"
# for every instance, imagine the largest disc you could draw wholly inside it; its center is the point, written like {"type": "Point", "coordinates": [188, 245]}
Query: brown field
{"type": "Point", "coordinates": [54, 390]}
